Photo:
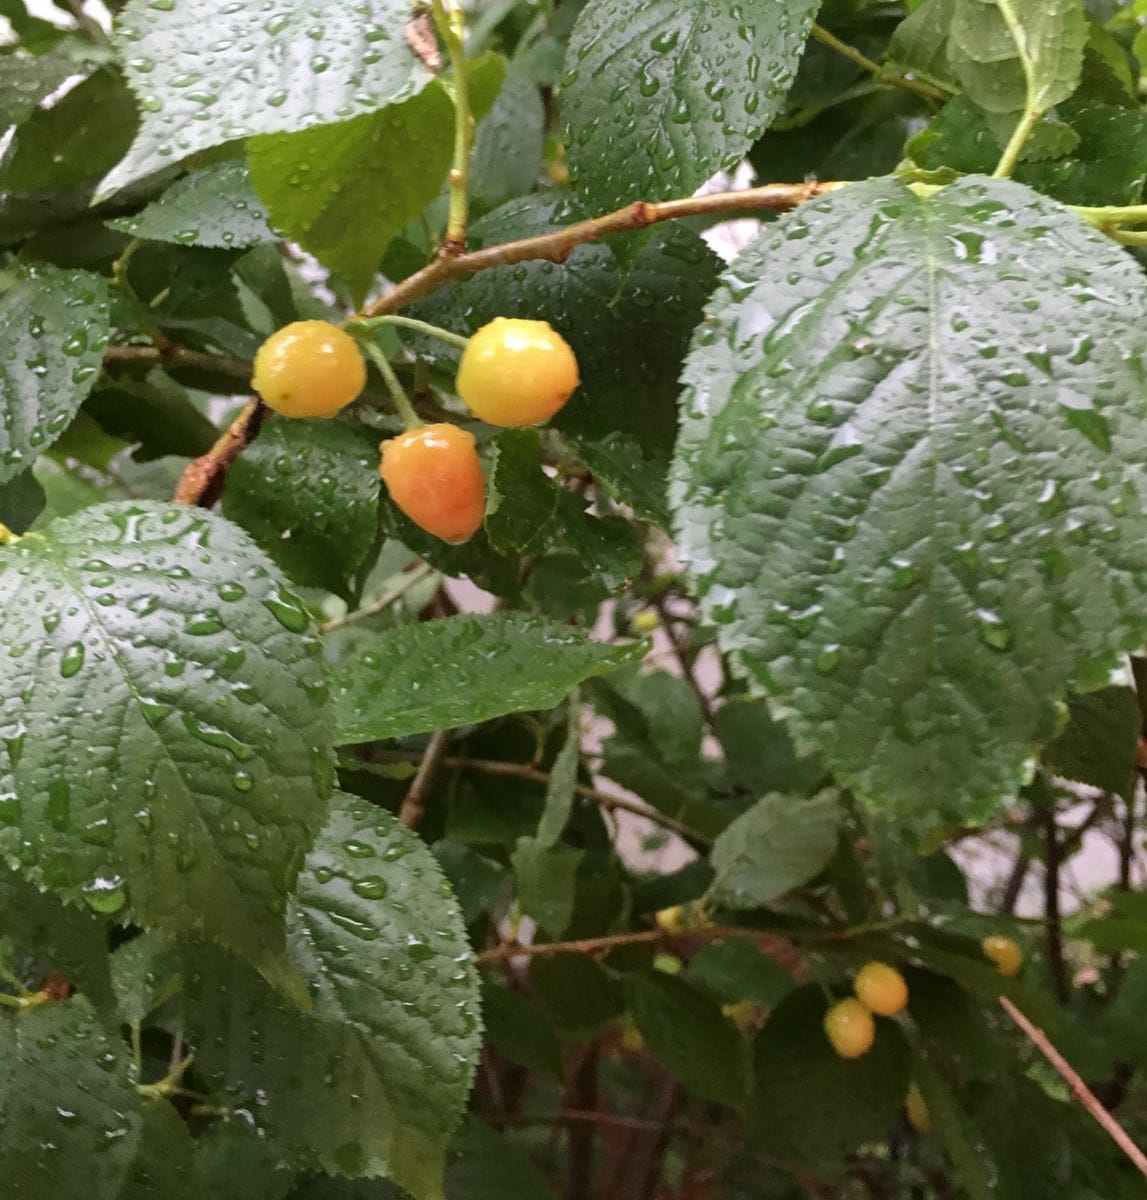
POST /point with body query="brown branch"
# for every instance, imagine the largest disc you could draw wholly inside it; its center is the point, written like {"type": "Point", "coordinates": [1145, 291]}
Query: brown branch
{"type": "Point", "coordinates": [1079, 1089]}
{"type": "Point", "coordinates": [414, 802]}
{"type": "Point", "coordinates": [489, 766]}
{"type": "Point", "coordinates": [558, 245]}
{"type": "Point", "coordinates": [687, 666]}
{"type": "Point", "coordinates": [1053, 924]}
{"type": "Point", "coordinates": [172, 355]}
{"type": "Point", "coordinates": [203, 478]}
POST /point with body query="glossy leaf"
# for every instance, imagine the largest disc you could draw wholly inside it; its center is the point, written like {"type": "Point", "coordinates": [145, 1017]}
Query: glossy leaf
{"type": "Point", "coordinates": [508, 143]}
{"type": "Point", "coordinates": [70, 1116]}
{"type": "Point", "coordinates": [658, 97]}
{"type": "Point", "coordinates": [307, 492]}
{"type": "Point", "coordinates": [216, 206]}
{"type": "Point", "coordinates": [907, 481]}
{"type": "Point", "coordinates": [779, 844]}
{"type": "Point", "coordinates": [374, 1078]}
{"type": "Point", "coordinates": [197, 706]}
{"type": "Point", "coordinates": [462, 670]}
{"type": "Point", "coordinates": [56, 330]}
{"type": "Point", "coordinates": [284, 70]}
{"type": "Point", "coordinates": [26, 80]}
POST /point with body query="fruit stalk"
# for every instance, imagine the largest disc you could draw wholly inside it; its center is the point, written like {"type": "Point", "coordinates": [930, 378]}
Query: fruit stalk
{"type": "Point", "coordinates": [452, 29]}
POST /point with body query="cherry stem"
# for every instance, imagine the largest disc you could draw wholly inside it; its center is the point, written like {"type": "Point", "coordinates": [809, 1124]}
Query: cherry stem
{"type": "Point", "coordinates": [424, 327]}
{"type": "Point", "coordinates": [397, 393]}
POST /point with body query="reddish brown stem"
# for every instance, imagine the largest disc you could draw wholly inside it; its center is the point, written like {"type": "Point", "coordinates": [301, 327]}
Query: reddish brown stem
{"type": "Point", "coordinates": [202, 481]}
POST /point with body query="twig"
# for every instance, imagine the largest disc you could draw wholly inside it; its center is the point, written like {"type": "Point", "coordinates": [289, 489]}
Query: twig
{"type": "Point", "coordinates": [683, 662]}
{"type": "Point", "coordinates": [558, 245]}
{"type": "Point", "coordinates": [1079, 1089]}
{"type": "Point", "coordinates": [879, 73]}
{"type": "Point", "coordinates": [1052, 922]}
{"type": "Point", "coordinates": [383, 602]}
{"type": "Point", "coordinates": [414, 802]}
{"type": "Point", "coordinates": [489, 766]}
{"type": "Point", "coordinates": [172, 355]}
{"type": "Point", "coordinates": [452, 29]}
{"type": "Point", "coordinates": [202, 479]}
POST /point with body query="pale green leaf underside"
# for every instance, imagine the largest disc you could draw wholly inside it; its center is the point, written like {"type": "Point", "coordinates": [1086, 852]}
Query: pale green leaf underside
{"type": "Point", "coordinates": [1011, 55]}
{"type": "Point", "coordinates": [55, 330]}
{"type": "Point", "coordinates": [908, 480]}
{"type": "Point", "coordinates": [462, 670]}
{"type": "Point", "coordinates": [777, 845]}
{"type": "Point", "coordinates": [660, 95]}
{"type": "Point", "coordinates": [375, 1078]}
{"type": "Point", "coordinates": [214, 207]}
{"type": "Point", "coordinates": [164, 723]}
{"type": "Point", "coordinates": [207, 73]}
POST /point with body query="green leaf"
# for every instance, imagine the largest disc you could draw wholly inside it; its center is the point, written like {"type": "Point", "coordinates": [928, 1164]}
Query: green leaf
{"type": "Point", "coordinates": [26, 80]}
{"type": "Point", "coordinates": [965, 1147]}
{"type": "Point", "coordinates": [290, 70]}
{"type": "Point", "coordinates": [364, 179]}
{"type": "Point", "coordinates": [920, 43]}
{"type": "Point", "coordinates": [197, 706]}
{"type": "Point", "coordinates": [307, 492]}
{"type": "Point", "coordinates": [234, 1160]}
{"type": "Point", "coordinates": [686, 1032]}
{"type": "Point", "coordinates": [146, 973]}
{"type": "Point", "coordinates": [517, 1030]}
{"type": "Point", "coordinates": [658, 97]}
{"type": "Point", "coordinates": [1012, 56]}
{"type": "Point", "coordinates": [74, 141]}
{"type": "Point", "coordinates": [56, 331]}
{"type": "Point", "coordinates": [799, 1075]}
{"type": "Point", "coordinates": [562, 781]}
{"type": "Point", "coordinates": [627, 397]}
{"type": "Point", "coordinates": [509, 143]}
{"type": "Point", "coordinates": [155, 412]}
{"type": "Point", "coordinates": [463, 670]}
{"type": "Point", "coordinates": [22, 500]}
{"type": "Point", "coordinates": [374, 1078]}
{"type": "Point", "coordinates": [1100, 742]}
{"type": "Point", "coordinates": [965, 453]}
{"type": "Point", "coordinates": [523, 499]}
{"type": "Point", "coordinates": [485, 1165]}
{"type": "Point", "coordinates": [1123, 926]}
{"type": "Point", "coordinates": [69, 1114]}
{"type": "Point", "coordinates": [49, 936]}
{"type": "Point", "coordinates": [737, 970]}
{"type": "Point", "coordinates": [164, 1167]}
{"type": "Point", "coordinates": [759, 753]}
{"type": "Point", "coordinates": [547, 879]}
{"type": "Point", "coordinates": [945, 1014]}
{"type": "Point", "coordinates": [579, 994]}
{"type": "Point", "coordinates": [216, 206]}
{"type": "Point", "coordinates": [779, 844]}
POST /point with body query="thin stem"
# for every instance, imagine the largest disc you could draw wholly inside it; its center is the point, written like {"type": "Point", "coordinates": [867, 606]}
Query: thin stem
{"type": "Point", "coordinates": [1129, 237]}
{"type": "Point", "coordinates": [1112, 214]}
{"type": "Point", "coordinates": [397, 393]}
{"type": "Point", "coordinates": [137, 1048]}
{"type": "Point", "coordinates": [879, 73]}
{"type": "Point", "coordinates": [452, 28]}
{"type": "Point", "coordinates": [558, 245]}
{"type": "Point", "coordinates": [384, 601]}
{"type": "Point", "coordinates": [12, 1001]}
{"type": "Point", "coordinates": [414, 802]}
{"type": "Point", "coordinates": [434, 331]}
{"type": "Point", "coordinates": [1053, 853]}
{"type": "Point", "coordinates": [172, 355]}
{"type": "Point", "coordinates": [525, 771]}
{"type": "Point", "coordinates": [679, 653]}
{"type": "Point", "coordinates": [1079, 1089]}
{"type": "Point", "coordinates": [1016, 143]}
{"type": "Point", "coordinates": [202, 479]}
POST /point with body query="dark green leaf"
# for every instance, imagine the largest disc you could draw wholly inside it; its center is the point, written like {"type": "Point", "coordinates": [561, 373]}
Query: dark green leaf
{"type": "Point", "coordinates": [26, 80]}
{"type": "Point", "coordinates": [810, 1101]}
{"type": "Point", "coordinates": [965, 1146]}
{"type": "Point", "coordinates": [517, 1030]}
{"type": "Point", "coordinates": [235, 1160]}
{"type": "Point", "coordinates": [146, 973]}
{"type": "Point", "coordinates": [759, 753]}
{"type": "Point", "coordinates": [74, 141]}
{"type": "Point", "coordinates": [509, 142]}
{"type": "Point", "coordinates": [579, 994]}
{"type": "Point", "coordinates": [523, 499]}
{"type": "Point", "coordinates": [22, 500]}
{"type": "Point", "coordinates": [779, 844]}
{"type": "Point", "coordinates": [69, 1114]}
{"type": "Point", "coordinates": [197, 705]}
{"type": "Point", "coordinates": [476, 880]}
{"type": "Point", "coordinates": [288, 71]}
{"type": "Point", "coordinates": [373, 1080]}
{"type": "Point", "coordinates": [1100, 742]}
{"type": "Point", "coordinates": [216, 206]}
{"type": "Point", "coordinates": [685, 1030]}
{"type": "Point", "coordinates": [948, 1016]}
{"type": "Point", "coordinates": [938, 351]}
{"type": "Point", "coordinates": [463, 670]}
{"type": "Point", "coordinates": [737, 970]}
{"type": "Point", "coordinates": [660, 96]}
{"type": "Point", "coordinates": [1123, 925]}
{"type": "Point", "coordinates": [155, 412]}
{"type": "Point", "coordinates": [485, 1165]}
{"type": "Point", "coordinates": [307, 492]}
{"type": "Point", "coordinates": [164, 1167]}
{"type": "Point", "coordinates": [920, 43]}
{"type": "Point", "coordinates": [56, 331]}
